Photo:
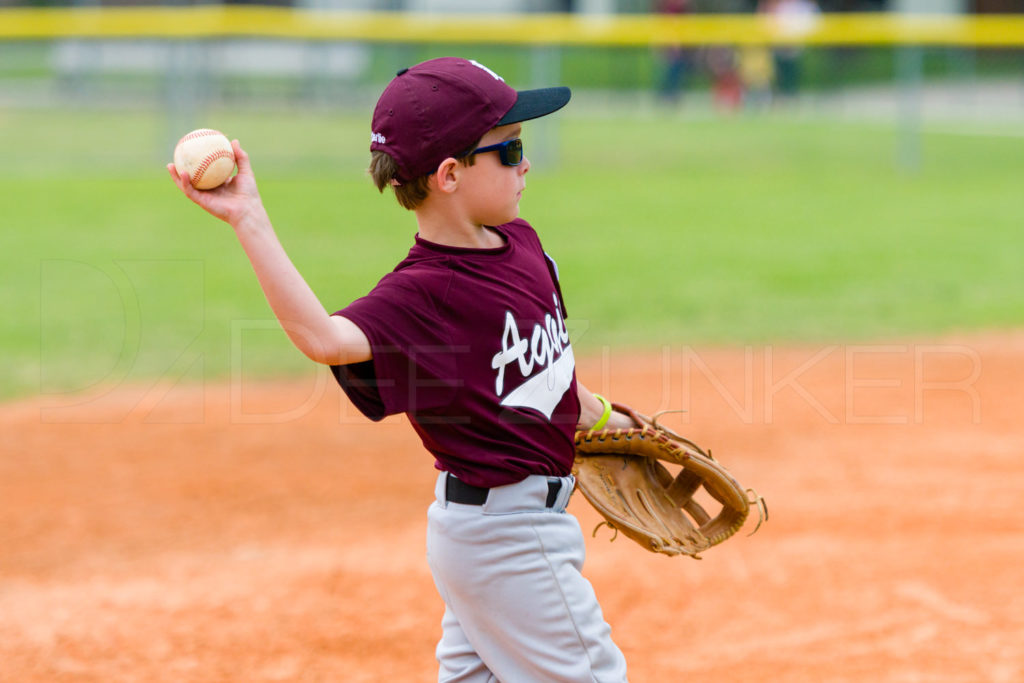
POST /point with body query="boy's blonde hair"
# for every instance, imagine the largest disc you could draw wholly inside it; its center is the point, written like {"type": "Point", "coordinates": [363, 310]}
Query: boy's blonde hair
{"type": "Point", "coordinates": [410, 194]}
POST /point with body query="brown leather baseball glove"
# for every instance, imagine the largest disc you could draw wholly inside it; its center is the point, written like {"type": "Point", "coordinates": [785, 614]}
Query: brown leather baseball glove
{"type": "Point", "coordinates": [621, 473]}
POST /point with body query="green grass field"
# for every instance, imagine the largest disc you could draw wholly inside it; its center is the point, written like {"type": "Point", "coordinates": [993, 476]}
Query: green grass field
{"type": "Point", "coordinates": [668, 230]}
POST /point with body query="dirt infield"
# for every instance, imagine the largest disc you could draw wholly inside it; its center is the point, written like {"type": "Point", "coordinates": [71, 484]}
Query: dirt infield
{"type": "Point", "coordinates": [266, 532]}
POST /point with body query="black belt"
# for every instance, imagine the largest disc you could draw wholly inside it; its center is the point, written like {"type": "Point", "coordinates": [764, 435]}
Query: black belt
{"type": "Point", "coordinates": [458, 491]}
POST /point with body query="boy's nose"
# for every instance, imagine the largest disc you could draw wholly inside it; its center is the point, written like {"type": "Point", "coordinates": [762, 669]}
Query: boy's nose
{"type": "Point", "coordinates": [525, 166]}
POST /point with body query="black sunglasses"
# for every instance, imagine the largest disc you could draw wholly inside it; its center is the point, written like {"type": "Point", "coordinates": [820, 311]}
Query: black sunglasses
{"type": "Point", "coordinates": [510, 151]}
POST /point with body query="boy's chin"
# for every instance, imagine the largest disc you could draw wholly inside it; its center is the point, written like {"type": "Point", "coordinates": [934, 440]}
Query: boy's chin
{"type": "Point", "coordinates": [501, 219]}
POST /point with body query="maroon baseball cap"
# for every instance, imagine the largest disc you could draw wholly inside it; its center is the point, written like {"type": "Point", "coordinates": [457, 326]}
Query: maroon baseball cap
{"type": "Point", "coordinates": [442, 107]}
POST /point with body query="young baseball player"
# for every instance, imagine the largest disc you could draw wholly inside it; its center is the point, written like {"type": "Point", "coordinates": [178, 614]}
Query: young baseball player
{"type": "Point", "coordinates": [467, 337]}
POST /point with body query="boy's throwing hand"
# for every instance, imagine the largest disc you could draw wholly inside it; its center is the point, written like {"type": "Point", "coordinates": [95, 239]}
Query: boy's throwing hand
{"type": "Point", "coordinates": [237, 200]}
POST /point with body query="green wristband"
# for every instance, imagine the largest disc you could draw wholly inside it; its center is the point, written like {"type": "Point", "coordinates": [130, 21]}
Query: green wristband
{"type": "Point", "coordinates": [605, 415]}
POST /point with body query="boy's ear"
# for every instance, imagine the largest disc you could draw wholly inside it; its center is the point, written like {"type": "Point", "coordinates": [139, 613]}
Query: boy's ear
{"type": "Point", "coordinates": [447, 176]}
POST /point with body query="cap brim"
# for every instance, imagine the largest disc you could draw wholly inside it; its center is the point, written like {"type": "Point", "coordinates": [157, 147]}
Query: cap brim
{"type": "Point", "coordinates": [532, 104]}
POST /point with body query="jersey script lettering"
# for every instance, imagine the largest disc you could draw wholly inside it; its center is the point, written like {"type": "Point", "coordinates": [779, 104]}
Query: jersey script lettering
{"type": "Point", "coordinates": [548, 351]}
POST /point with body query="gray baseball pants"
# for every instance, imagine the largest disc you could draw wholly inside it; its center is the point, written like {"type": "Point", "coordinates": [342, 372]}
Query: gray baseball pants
{"type": "Point", "coordinates": [517, 608]}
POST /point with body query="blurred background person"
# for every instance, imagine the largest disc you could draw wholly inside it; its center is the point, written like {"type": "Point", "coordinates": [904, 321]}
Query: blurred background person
{"type": "Point", "coordinates": [795, 18]}
{"type": "Point", "coordinates": [726, 85]}
{"type": "Point", "coordinates": [757, 73]}
{"type": "Point", "coordinates": [677, 61]}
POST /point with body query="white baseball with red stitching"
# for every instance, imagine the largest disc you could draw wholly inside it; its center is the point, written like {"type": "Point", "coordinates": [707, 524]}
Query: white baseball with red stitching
{"type": "Point", "coordinates": [205, 157]}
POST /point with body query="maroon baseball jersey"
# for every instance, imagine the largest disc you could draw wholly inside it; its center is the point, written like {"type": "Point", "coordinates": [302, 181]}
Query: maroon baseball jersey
{"type": "Point", "coordinates": [471, 344]}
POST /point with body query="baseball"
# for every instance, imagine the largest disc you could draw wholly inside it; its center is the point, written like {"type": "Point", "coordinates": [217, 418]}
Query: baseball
{"type": "Point", "coordinates": [205, 157]}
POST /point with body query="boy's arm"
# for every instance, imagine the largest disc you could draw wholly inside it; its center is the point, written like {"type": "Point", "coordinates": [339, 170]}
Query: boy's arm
{"type": "Point", "coordinates": [591, 410]}
{"type": "Point", "coordinates": [324, 338]}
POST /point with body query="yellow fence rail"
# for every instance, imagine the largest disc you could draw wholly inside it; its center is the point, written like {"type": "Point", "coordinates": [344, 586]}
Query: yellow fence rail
{"type": "Point", "coordinates": [522, 29]}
